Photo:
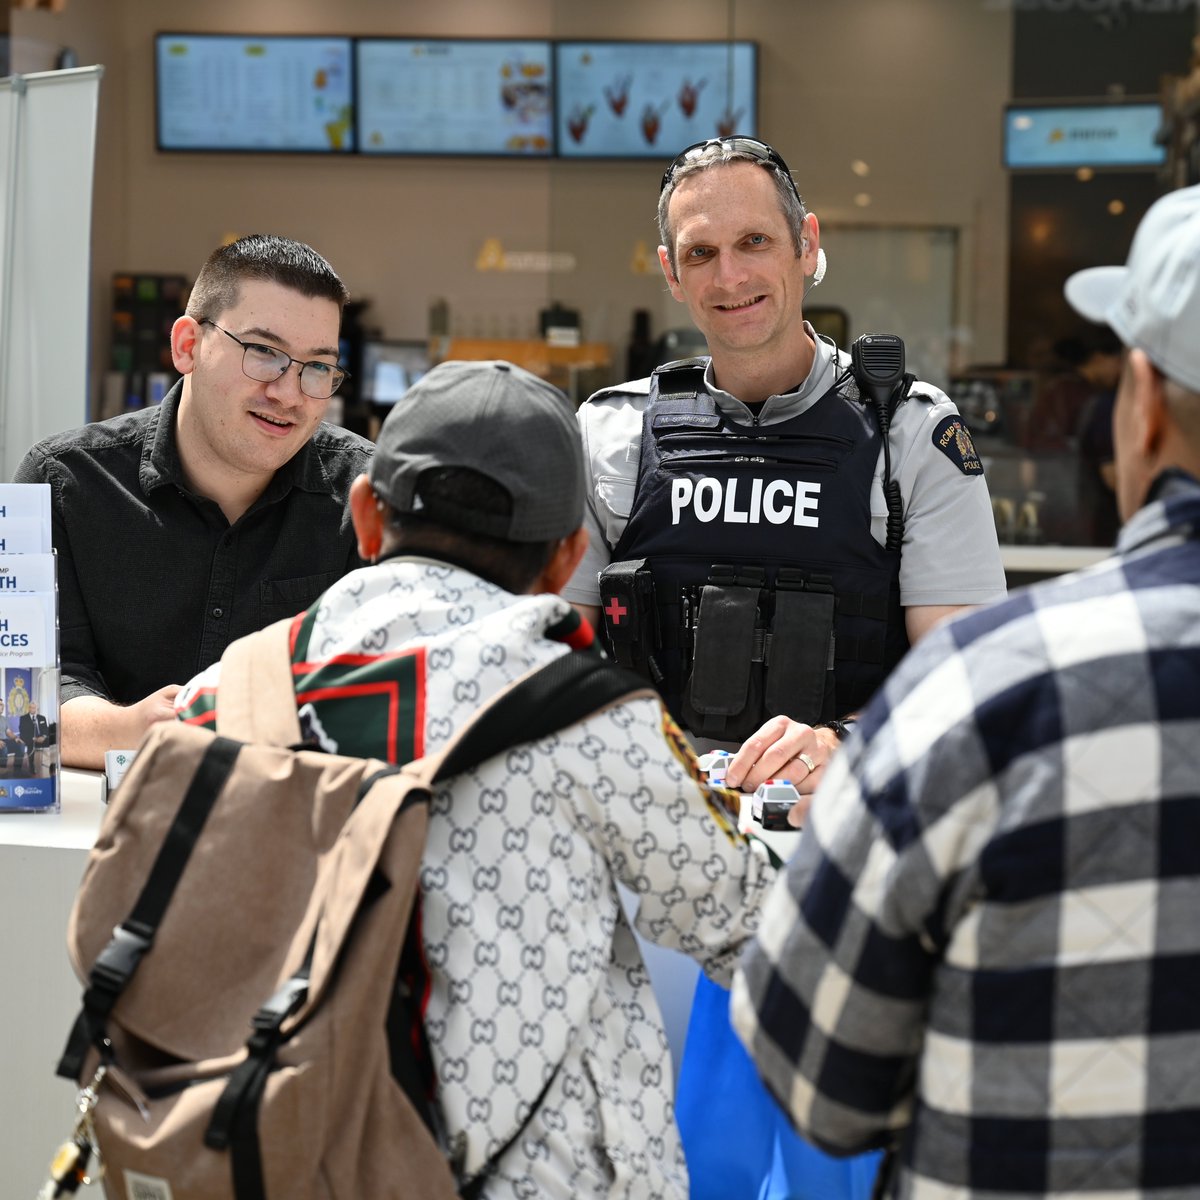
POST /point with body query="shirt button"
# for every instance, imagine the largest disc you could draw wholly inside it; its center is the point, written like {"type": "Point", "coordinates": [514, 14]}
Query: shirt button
{"type": "Point", "coordinates": [218, 612]}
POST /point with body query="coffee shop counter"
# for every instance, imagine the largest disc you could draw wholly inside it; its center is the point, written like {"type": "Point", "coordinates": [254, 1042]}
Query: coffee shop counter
{"type": "Point", "coordinates": [42, 856]}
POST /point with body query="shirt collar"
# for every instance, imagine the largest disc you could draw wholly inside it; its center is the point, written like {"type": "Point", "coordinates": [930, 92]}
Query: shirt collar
{"type": "Point", "coordinates": [161, 464]}
{"type": "Point", "coordinates": [1172, 507]}
{"type": "Point", "coordinates": [820, 378]}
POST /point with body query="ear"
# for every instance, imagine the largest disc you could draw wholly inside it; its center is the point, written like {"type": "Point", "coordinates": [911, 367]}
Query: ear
{"type": "Point", "coordinates": [368, 519]}
{"type": "Point", "coordinates": [566, 557]}
{"type": "Point", "coordinates": [664, 261]}
{"type": "Point", "coordinates": [811, 242]}
{"type": "Point", "coordinates": [1149, 426]}
{"type": "Point", "coordinates": [185, 337]}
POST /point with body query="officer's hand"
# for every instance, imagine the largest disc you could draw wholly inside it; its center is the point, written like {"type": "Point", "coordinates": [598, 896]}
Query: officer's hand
{"type": "Point", "coordinates": [775, 751]}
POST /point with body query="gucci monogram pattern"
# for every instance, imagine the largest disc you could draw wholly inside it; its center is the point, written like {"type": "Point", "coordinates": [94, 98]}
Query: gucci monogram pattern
{"type": "Point", "coordinates": [535, 970]}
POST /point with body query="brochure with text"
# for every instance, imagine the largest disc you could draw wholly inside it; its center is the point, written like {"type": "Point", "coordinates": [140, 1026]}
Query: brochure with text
{"type": "Point", "coordinates": [29, 665]}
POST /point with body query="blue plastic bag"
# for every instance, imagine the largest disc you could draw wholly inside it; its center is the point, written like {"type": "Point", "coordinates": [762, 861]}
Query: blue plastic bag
{"type": "Point", "coordinates": [739, 1144]}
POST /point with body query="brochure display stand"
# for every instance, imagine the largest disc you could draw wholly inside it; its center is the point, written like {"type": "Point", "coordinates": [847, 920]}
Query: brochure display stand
{"type": "Point", "coordinates": [29, 675]}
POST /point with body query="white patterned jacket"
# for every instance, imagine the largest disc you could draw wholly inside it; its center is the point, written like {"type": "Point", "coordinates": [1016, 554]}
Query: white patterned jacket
{"type": "Point", "coordinates": [534, 966]}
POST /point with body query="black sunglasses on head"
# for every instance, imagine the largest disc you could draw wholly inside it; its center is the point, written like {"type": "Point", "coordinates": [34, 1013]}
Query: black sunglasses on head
{"type": "Point", "coordinates": [752, 147]}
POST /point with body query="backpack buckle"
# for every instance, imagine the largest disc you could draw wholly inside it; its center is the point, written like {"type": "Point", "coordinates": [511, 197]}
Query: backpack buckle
{"type": "Point", "coordinates": [112, 969]}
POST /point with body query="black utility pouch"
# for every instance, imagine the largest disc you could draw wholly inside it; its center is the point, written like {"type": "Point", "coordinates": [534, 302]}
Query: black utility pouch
{"type": "Point", "coordinates": [630, 622]}
{"type": "Point", "coordinates": [722, 695]}
{"type": "Point", "coordinates": [800, 678]}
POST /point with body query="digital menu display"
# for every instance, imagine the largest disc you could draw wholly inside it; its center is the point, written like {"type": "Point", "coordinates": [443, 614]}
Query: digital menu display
{"type": "Point", "coordinates": [219, 92]}
{"type": "Point", "coordinates": [651, 99]}
{"type": "Point", "coordinates": [1083, 135]}
{"type": "Point", "coordinates": [455, 96]}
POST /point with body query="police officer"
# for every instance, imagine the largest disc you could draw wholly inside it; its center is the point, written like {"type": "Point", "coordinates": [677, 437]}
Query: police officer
{"type": "Point", "coordinates": [740, 551]}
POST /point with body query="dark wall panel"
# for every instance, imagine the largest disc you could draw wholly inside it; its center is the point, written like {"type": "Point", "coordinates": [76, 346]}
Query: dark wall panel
{"type": "Point", "coordinates": [1080, 49]}
{"type": "Point", "coordinates": [1058, 226]}
{"type": "Point", "coordinates": [1092, 47]}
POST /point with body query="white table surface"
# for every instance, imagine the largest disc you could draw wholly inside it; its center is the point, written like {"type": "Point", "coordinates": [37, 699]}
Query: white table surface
{"type": "Point", "coordinates": [74, 827]}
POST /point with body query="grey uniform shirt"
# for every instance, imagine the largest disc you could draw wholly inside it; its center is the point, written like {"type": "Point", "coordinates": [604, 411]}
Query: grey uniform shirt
{"type": "Point", "coordinates": [949, 555]}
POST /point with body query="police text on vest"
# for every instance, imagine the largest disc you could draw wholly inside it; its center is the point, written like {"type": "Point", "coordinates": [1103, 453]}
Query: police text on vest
{"type": "Point", "coordinates": [779, 500]}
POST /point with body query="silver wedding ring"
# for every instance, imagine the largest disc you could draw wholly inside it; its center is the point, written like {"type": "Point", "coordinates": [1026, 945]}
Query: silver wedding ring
{"type": "Point", "coordinates": [807, 761]}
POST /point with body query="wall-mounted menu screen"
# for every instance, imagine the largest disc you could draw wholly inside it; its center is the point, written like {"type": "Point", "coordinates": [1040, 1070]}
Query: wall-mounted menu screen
{"type": "Point", "coordinates": [455, 96]}
{"type": "Point", "coordinates": [651, 99]}
{"type": "Point", "coordinates": [219, 92]}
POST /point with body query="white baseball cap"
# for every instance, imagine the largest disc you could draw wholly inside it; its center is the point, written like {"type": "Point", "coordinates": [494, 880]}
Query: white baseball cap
{"type": "Point", "coordinates": [1153, 302]}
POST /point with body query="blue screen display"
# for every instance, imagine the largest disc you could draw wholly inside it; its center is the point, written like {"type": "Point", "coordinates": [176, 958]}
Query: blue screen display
{"type": "Point", "coordinates": [1071, 136]}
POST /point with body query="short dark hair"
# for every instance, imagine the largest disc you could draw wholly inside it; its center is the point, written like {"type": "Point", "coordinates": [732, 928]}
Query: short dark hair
{"type": "Point", "coordinates": [262, 256]}
{"type": "Point", "coordinates": [719, 154]}
{"type": "Point", "coordinates": [432, 532]}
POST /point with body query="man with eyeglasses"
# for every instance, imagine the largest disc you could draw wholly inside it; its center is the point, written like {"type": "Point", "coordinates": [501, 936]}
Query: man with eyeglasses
{"type": "Point", "coordinates": [739, 531]}
{"type": "Point", "coordinates": [183, 526]}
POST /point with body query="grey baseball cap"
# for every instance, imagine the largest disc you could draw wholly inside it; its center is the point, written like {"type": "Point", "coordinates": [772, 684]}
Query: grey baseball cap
{"type": "Point", "coordinates": [1153, 301]}
{"type": "Point", "coordinates": [500, 421]}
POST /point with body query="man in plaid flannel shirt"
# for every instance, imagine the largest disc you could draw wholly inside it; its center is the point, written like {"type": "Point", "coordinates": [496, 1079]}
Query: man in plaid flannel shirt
{"type": "Point", "coordinates": [986, 952]}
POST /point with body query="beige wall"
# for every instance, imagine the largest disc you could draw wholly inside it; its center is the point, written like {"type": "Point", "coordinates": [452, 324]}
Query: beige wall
{"type": "Point", "coordinates": [914, 89]}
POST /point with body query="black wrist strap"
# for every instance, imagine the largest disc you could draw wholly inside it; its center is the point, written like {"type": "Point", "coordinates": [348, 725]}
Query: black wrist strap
{"type": "Point", "coordinates": [841, 729]}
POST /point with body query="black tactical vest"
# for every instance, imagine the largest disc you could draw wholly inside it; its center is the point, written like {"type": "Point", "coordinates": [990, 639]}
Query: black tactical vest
{"type": "Point", "coordinates": [747, 583]}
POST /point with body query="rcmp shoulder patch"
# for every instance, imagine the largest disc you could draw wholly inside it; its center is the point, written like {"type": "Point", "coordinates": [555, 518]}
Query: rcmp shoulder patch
{"type": "Point", "coordinates": [953, 439]}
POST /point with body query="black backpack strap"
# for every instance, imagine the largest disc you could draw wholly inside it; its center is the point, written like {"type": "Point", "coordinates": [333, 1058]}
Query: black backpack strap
{"type": "Point", "coordinates": [116, 963]}
{"type": "Point", "coordinates": [475, 1185]}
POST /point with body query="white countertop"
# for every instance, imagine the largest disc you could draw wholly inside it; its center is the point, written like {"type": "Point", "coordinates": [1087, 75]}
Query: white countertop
{"type": "Point", "coordinates": [73, 827]}
{"type": "Point", "coordinates": [1051, 559]}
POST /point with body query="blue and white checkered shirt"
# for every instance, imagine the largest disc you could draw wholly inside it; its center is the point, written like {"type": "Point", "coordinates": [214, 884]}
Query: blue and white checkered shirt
{"type": "Point", "coordinates": [986, 951]}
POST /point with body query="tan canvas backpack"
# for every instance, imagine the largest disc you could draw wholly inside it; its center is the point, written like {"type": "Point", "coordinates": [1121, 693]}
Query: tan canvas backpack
{"type": "Point", "coordinates": [239, 928]}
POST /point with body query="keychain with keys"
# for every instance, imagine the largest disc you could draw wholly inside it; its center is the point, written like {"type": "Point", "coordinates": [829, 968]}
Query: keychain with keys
{"type": "Point", "coordinates": [69, 1167]}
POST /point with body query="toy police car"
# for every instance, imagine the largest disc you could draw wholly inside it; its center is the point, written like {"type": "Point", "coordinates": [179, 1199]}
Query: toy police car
{"type": "Point", "coordinates": [772, 803]}
{"type": "Point", "coordinates": [715, 763]}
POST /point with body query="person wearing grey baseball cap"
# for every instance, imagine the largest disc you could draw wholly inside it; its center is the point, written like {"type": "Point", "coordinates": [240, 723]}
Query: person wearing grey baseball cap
{"type": "Point", "coordinates": [499, 421]}
{"type": "Point", "coordinates": [1022, 1021]}
{"type": "Point", "coordinates": [482, 459]}
{"type": "Point", "coordinates": [470, 518]}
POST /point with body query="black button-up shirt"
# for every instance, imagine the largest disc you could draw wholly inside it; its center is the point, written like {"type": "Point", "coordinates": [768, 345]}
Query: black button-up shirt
{"type": "Point", "coordinates": [153, 581]}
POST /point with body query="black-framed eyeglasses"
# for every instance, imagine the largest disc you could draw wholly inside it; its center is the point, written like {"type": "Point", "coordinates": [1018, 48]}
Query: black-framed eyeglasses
{"type": "Point", "coordinates": [318, 380]}
{"type": "Point", "coordinates": [752, 147]}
